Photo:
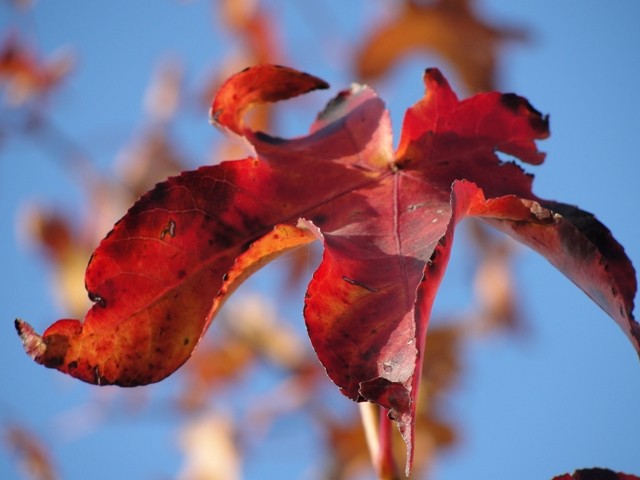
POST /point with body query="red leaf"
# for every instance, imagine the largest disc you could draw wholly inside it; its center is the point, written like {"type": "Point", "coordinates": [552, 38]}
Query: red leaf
{"type": "Point", "coordinates": [386, 221]}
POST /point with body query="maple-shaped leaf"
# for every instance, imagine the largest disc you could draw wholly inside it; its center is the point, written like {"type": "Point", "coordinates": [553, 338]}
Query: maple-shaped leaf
{"type": "Point", "coordinates": [449, 28]}
{"type": "Point", "coordinates": [386, 220]}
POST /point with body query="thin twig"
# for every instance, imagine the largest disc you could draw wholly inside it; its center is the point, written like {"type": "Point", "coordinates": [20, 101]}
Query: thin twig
{"type": "Point", "coordinates": [369, 414]}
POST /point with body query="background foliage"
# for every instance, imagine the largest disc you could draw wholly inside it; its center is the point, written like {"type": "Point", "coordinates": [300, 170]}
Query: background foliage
{"type": "Point", "coordinates": [537, 382]}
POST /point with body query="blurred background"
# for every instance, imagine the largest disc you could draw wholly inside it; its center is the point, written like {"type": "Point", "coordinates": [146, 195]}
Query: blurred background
{"type": "Point", "coordinates": [525, 377]}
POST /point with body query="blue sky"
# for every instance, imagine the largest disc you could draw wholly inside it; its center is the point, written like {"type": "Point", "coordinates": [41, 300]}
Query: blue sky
{"type": "Point", "coordinates": [561, 398]}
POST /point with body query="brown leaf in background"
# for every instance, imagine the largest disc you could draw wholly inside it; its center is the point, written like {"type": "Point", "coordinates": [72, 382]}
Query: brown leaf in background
{"type": "Point", "coordinates": [441, 371]}
{"type": "Point", "coordinates": [163, 95]}
{"type": "Point", "coordinates": [449, 28]}
{"type": "Point", "coordinates": [211, 451]}
{"type": "Point", "coordinates": [62, 247]}
{"type": "Point", "coordinates": [216, 365]}
{"type": "Point", "coordinates": [348, 453]}
{"type": "Point", "coordinates": [25, 75]}
{"type": "Point", "coordinates": [251, 333]}
{"type": "Point", "coordinates": [494, 282]}
{"type": "Point", "coordinates": [255, 322]}
{"type": "Point", "coordinates": [150, 158]}
{"type": "Point", "coordinates": [35, 461]}
{"type": "Point", "coordinates": [254, 28]}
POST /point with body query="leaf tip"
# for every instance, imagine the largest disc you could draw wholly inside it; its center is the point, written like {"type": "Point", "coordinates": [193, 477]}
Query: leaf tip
{"type": "Point", "coordinates": [258, 84]}
{"type": "Point", "coordinates": [33, 343]}
{"type": "Point", "coordinates": [538, 122]}
{"type": "Point", "coordinates": [434, 75]}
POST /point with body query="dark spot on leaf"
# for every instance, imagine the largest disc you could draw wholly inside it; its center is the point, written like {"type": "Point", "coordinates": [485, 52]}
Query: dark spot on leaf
{"type": "Point", "coordinates": [72, 365]}
{"type": "Point", "coordinates": [614, 291]}
{"type": "Point", "coordinates": [225, 277]}
{"type": "Point", "coordinates": [514, 102]}
{"type": "Point", "coordinates": [95, 298]}
{"type": "Point", "coordinates": [225, 240]}
{"type": "Point", "coordinates": [250, 223]}
{"type": "Point", "coordinates": [319, 219]}
{"type": "Point", "coordinates": [182, 274]}
{"type": "Point", "coordinates": [185, 341]}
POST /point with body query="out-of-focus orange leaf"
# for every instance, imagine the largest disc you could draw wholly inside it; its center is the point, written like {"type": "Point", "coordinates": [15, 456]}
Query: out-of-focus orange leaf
{"type": "Point", "coordinates": [35, 461]}
{"type": "Point", "coordinates": [254, 28]}
{"type": "Point", "coordinates": [251, 332]}
{"type": "Point", "coordinates": [449, 28]}
{"type": "Point", "coordinates": [494, 283]}
{"type": "Point", "coordinates": [254, 321]}
{"type": "Point", "coordinates": [66, 252]}
{"type": "Point", "coordinates": [256, 33]}
{"type": "Point", "coordinates": [25, 75]}
{"type": "Point", "coordinates": [162, 97]}
{"type": "Point", "coordinates": [441, 368]}
{"type": "Point", "coordinates": [440, 372]}
{"type": "Point", "coordinates": [21, 3]}
{"type": "Point", "coordinates": [150, 158]}
{"type": "Point", "coordinates": [211, 450]}
{"type": "Point", "coordinates": [347, 447]}
{"type": "Point", "coordinates": [215, 365]}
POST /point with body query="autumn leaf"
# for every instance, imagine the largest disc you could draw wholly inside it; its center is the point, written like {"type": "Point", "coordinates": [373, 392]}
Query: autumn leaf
{"type": "Point", "coordinates": [449, 28]}
{"type": "Point", "coordinates": [386, 221]}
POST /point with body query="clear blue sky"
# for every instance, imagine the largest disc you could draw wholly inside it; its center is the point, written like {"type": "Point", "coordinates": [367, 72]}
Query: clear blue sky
{"type": "Point", "coordinates": [564, 397]}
